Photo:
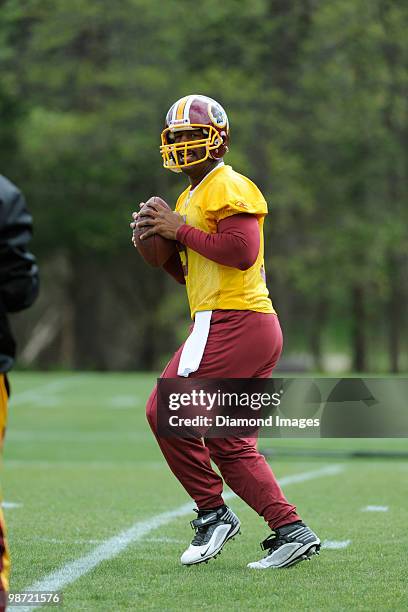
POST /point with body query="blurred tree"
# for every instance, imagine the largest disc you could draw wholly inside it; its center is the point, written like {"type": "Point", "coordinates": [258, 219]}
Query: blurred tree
{"type": "Point", "coordinates": [316, 94]}
{"type": "Point", "coordinates": [393, 18]}
{"type": "Point", "coordinates": [96, 76]}
{"type": "Point", "coordinates": [349, 152]}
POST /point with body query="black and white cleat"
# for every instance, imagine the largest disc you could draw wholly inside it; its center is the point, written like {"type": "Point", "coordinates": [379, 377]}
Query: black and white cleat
{"type": "Point", "coordinates": [213, 529]}
{"type": "Point", "coordinates": [287, 546]}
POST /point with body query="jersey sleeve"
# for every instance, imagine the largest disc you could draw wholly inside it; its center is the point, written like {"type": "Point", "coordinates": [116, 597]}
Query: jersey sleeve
{"type": "Point", "coordinates": [232, 197]}
{"type": "Point", "coordinates": [235, 244]}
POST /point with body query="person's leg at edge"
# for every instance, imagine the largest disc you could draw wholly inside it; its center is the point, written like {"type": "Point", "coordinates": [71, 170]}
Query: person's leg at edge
{"type": "Point", "coordinates": [4, 555]}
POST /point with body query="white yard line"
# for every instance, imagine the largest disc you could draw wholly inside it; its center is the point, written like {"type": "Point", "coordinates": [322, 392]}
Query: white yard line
{"type": "Point", "coordinates": [7, 504]}
{"type": "Point", "coordinates": [94, 541]}
{"type": "Point", "coordinates": [75, 437]}
{"type": "Point", "coordinates": [36, 393]}
{"type": "Point", "coordinates": [336, 544]}
{"type": "Point", "coordinates": [117, 544]}
{"type": "Point", "coordinates": [47, 395]}
{"type": "Point", "coordinates": [124, 402]}
{"type": "Point", "coordinates": [64, 464]}
{"type": "Point", "coordinates": [164, 539]}
{"type": "Point", "coordinates": [375, 509]}
{"type": "Point", "coordinates": [58, 541]}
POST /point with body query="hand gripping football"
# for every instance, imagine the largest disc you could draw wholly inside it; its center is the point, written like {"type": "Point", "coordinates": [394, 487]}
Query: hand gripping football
{"type": "Point", "coordinates": [155, 249]}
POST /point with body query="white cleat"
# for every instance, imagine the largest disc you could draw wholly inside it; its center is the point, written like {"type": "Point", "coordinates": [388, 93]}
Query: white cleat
{"type": "Point", "coordinates": [213, 530]}
{"type": "Point", "coordinates": [288, 545]}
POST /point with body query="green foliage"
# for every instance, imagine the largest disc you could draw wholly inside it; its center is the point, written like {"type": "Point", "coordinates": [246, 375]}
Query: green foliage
{"type": "Point", "coordinates": [316, 94]}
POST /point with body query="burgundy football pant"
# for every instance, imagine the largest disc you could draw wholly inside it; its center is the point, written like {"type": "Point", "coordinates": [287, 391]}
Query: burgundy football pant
{"type": "Point", "coordinates": [241, 344]}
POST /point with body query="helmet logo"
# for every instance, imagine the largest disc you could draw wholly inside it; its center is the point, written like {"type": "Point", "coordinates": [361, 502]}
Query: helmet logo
{"type": "Point", "coordinates": [217, 115]}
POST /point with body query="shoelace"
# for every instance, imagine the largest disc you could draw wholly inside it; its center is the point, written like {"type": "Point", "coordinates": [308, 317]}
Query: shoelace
{"type": "Point", "coordinates": [273, 542]}
{"type": "Point", "coordinates": [276, 539]}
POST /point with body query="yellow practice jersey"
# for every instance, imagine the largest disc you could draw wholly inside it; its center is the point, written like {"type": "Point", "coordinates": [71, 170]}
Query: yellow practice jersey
{"type": "Point", "coordinates": [212, 286]}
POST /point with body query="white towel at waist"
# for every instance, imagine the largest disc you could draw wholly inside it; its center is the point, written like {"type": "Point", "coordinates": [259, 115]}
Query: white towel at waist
{"type": "Point", "coordinates": [194, 346]}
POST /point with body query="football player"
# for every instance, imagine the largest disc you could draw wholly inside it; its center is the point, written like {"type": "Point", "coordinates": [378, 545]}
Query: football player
{"type": "Point", "coordinates": [18, 290]}
{"type": "Point", "coordinates": [219, 220]}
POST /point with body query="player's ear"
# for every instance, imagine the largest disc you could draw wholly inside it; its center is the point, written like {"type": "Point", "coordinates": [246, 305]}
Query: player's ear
{"type": "Point", "coordinates": [222, 146]}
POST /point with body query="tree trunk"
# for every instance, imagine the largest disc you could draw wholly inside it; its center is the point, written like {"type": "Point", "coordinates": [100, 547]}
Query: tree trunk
{"type": "Point", "coordinates": [397, 134]}
{"type": "Point", "coordinates": [358, 329]}
{"type": "Point", "coordinates": [394, 314]}
{"type": "Point", "coordinates": [67, 341]}
{"type": "Point", "coordinates": [315, 338]}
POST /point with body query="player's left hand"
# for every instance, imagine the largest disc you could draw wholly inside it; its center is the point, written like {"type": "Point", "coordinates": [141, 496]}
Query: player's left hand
{"type": "Point", "coordinates": [158, 220]}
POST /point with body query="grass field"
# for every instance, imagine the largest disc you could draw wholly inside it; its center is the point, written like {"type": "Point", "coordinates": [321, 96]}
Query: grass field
{"type": "Point", "coordinates": [91, 506]}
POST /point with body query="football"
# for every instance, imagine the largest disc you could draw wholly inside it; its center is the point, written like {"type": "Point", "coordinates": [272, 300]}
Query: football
{"type": "Point", "coordinates": [155, 250]}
